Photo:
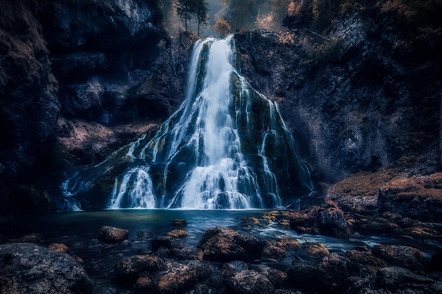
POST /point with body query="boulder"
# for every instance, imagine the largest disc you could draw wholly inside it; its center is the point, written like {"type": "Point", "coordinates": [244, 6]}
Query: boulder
{"type": "Point", "coordinates": [109, 234]}
{"type": "Point", "coordinates": [276, 277]}
{"type": "Point", "coordinates": [59, 247]}
{"type": "Point", "coordinates": [35, 238]}
{"type": "Point", "coordinates": [159, 242]}
{"type": "Point", "coordinates": [395, 280]}
{"type": "Point", "coordinates": [363, 263]}
{"type": "Point", "coordinates": [334, 271]}
{"type": "Point", "coordinates": [398, 255]}
{"type": "Point", "coordinates": [233, 267]}
{"type": "Point", "coordinates": [219, 244]}
{"type": "Point", "coordinates": [177, 234]}
{"type": "Point", "coordinates": [417, 197]}
{"type": "Point", "coordinates": [303, 276]}
{"type": "Point", "coordinates": [312, 250]}
{"type": "Point", "coordinates": [186, 253]}
{"type": "Point", "coordinates": [29, 268]}
{"type": "Point", "coordinates": [130, 268]}
{"type": "Point", "coordinates": [435, 263]}
{"type": "Point", "coordinates": [179, 222]}
{"type": "Point", "coordinates": [249, 282]}
{"type": "Point", "coordinates": [178, 277]}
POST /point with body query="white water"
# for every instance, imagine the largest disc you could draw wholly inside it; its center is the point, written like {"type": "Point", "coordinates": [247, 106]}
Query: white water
{"type": "Point", "coordinates": [197, 155]}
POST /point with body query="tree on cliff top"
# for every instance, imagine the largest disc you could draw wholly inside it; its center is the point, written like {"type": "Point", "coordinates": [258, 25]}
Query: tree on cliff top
{"type": "Point", "coordinates": [222, 27]}
{"type": "Point", "coordinates": [202, 13]}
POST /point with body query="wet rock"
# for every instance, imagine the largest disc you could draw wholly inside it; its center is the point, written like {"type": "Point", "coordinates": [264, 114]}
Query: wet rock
{"type": "Point", "coordinates": [303, 276]}
{"type": "Point", "coordinates": [435, 263]}
{"type": "Point", "coordinates": [233, 267]}
{"type": "Point", "coordinates": [333, 221]}
{"type": "Point", "coordinates": [29, 268]}
{"type": "Point", "coordinates": [186, 253]}
{"type": "Point", "coordinates": [249, 281]}
{"type": "Point", "coordinates": [59, 247]}
{"type": "Point", "coordinates": [276, 277]}
{"type": "Point", "coordinates": [328, 220]}
{"type": "Point", "coordinates": [398, 280]}
{"type": "Point", "coordinates": [159, 242]}
{"type": "Point", "coordinates": [177, 234]}
{"type": "Point", "coordinates": [249, 221]}
{"type": "Point", "coordinates": [179, 277]}
{"type": "Point", "coordinates": [278, 249]}
{"type": "Point", "coordinates": [109, 234]}
{"type": "Point", "coordinates": [142, 236]}
{"type": "Point", "coordinates": [313, 249]}
{"type": "Point", "coordinates": [416, 197]}
{"type": "Point", "coordinates": [403, 256]}
{"type": "Point", "coordinates": [143, 284]}
{"type": "Point", "coordinates": [334, 271]}
{"type": "Point", "coordinates": [179, 222]}
{"type": "Point", "coordinates": [219, 244]}
{"type": "Point", "coordinates": [35, 238]}
{"type": "Point", "coordinates": [363, 263]}
{"type": "Point", "coordinates": [130, 268]}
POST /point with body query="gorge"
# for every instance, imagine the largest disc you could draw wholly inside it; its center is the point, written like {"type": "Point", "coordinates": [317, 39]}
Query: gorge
{"type": "Point", "coordinates": [292, 147]}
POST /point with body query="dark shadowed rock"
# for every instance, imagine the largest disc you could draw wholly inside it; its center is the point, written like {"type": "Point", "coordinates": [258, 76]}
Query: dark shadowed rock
{"type": "Point", "coordinates": [435, 263]}
{"type": "Point", "coordinates": [416, 197]}
{"type": "Point", "coordinates": [29, 268]}
{"type": "Point", "coordinates": [276, 277]}
{"type": "Point", "coordinates": [35, 238]}
{"type": "Point", "coordinates": [159, 242]}
{"type": "Point", "coordinates": [249, 281]}
{"type": "Point", "coordinates": [278, 249]}
{"type": "Point", "coordinates": [363, 263]}
{"type": "Point", "coordinates": [397, 255]}
{"type": "Point", "coordinates": [303, 276]}
{"type": "Point", "coordinates": [59, 247]}
{"type": "Point", "coordinates": [186, 253]}
{"type": "Point", "coordinates": [130, 268]}
{"type": "Point", "coordinates": [333, 221]}
{"type": "Point", "coordinates": [233, 267]}
{"type": "Point", "coordinates": [179, 222]}
{"type": "Point", "coordinates": [334, 271]}
{"type": "Point", "coordinates": [179, 277]}
{"type": "Point", "coordinates": [109, 234]}
{"type": "Point", "coordinates": [396, 280]}
{"type": "Point", "coordinates": [219, 244]}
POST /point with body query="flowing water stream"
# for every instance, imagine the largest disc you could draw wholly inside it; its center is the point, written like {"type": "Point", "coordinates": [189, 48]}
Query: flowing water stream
{"type": "Point", "coordinates": [226, 147]}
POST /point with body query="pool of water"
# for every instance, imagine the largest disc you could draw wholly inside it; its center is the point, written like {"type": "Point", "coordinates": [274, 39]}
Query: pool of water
{"type": "Point", "coordinates": [79, 226]}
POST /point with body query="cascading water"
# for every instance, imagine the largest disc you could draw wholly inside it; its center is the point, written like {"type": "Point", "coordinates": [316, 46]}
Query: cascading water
{"type": "Point", "coordinates": [225, 147]}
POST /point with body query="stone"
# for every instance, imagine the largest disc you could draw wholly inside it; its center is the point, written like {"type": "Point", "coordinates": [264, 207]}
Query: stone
{"type": "Point", "coordinates": [363, 263]}
{"type": "Point", "coordinates": [159, 242]}
{"type": "Point", "coordinates": [333, 272]}
{"type": "Point", "coordinates": [313, 249]}
{"type": "Point", "coordinates": [59, 247]}
{"type": "Point", "coordinates": [219, 244]}
{"type": "Point", "coordinates": [304, 276]}
{"type": "Point", "coordinates": [186, 253]}
{"type": "Point", "coordinates": [398, 255]}
{"type": "Point", "coordinates": [249, 282]}
{"type": "Point", "coordinates": [177, 234]}
{"type": "Point", "coordinates": [35, 238]}
{"type": "Point", "coordinates": [233, 267]}
{"type": "Point", "coordinates": [435, 263]}
{"type": "Point", "coordinates": [179, 222]}
{"type": "Point", "coordinates": [30, 268]}
{"type": "Point", "coordinates": [276, 277]}
{"type": "Point", "coordinates": [395, 280]}
{"type": "Point", "coordinates": [109, 234]}
{"type": "Point", "coordinates": [178, 277]}
{"type": "Point", "coordinates": [130, 268]}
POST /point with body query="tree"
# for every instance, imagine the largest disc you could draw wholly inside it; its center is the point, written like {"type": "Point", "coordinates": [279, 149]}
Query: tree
{"type": "Point", "coordinates": [185, 9]}
{"type": "Point", "coordinates": [222, 27]}
{"type": "Point", "coordinates": [202, 13]}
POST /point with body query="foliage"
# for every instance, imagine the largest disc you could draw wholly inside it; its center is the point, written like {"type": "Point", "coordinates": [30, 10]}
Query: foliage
{"type": "Point", "coordinates": [186, 9]}
{"type": "Point", "coordinates": [222, 27]}
{"type": "Point", "coordinates": [202, 11]}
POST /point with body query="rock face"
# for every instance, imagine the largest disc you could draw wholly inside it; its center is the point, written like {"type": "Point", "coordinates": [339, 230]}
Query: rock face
{"type": "Point", "coordinates": [78, 80]}
{"type": "Point", "coordinates": [417, 197]}
{"type": "Point", "coordinates": [29, 268]}
{"type": "Point", "coordinates": [109, 234]}
{"type": "Point", "coordinates": [353, 101]}
{"type": "Point", "coordinates": [219, 244]}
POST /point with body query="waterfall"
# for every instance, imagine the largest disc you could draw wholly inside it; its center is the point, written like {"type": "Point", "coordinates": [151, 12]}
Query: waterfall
{"type": "Point", "coordinates": [226, 147]}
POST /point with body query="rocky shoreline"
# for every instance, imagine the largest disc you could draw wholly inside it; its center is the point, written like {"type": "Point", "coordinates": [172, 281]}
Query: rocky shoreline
{"type": "Point", "coordinates": [231, 261]}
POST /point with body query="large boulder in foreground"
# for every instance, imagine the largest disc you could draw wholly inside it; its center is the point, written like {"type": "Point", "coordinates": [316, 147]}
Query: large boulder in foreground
{"type": "Point", "coordinates": [396, 280]}
{"type": "Point", "coordinates": [417, 197]}
{"type": "Point", "coordinates": [398, 255]}
{"type": "Point", "coordinates": [220, 244]}
{"type": "Point", "coordinates": [29, 268]}
{"type": "Point", "coordinates": [130, 268]}
{"type": "Point", "coordinates": [328, 220]}
{"type": "Point", "coordinates": [109, 234]}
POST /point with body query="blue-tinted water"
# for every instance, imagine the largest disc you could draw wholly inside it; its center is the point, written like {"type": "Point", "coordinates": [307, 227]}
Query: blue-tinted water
{"type": "Point", "coordinates": [73, 227]}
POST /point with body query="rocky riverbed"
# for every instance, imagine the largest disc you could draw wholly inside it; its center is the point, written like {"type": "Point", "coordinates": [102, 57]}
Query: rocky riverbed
{"type": "Point", "coordinates": [247, 252]}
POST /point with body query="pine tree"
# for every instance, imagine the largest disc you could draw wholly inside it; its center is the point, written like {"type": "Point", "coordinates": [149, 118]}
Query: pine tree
{"type": "Point", "coordinates": [202, 13]}
{"type": "Point", "coordinates": [185, 9]}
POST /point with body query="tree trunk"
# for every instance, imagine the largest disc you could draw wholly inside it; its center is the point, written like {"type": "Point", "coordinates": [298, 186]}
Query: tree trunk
{"type": "Point", "coordinates": [198, 27]}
